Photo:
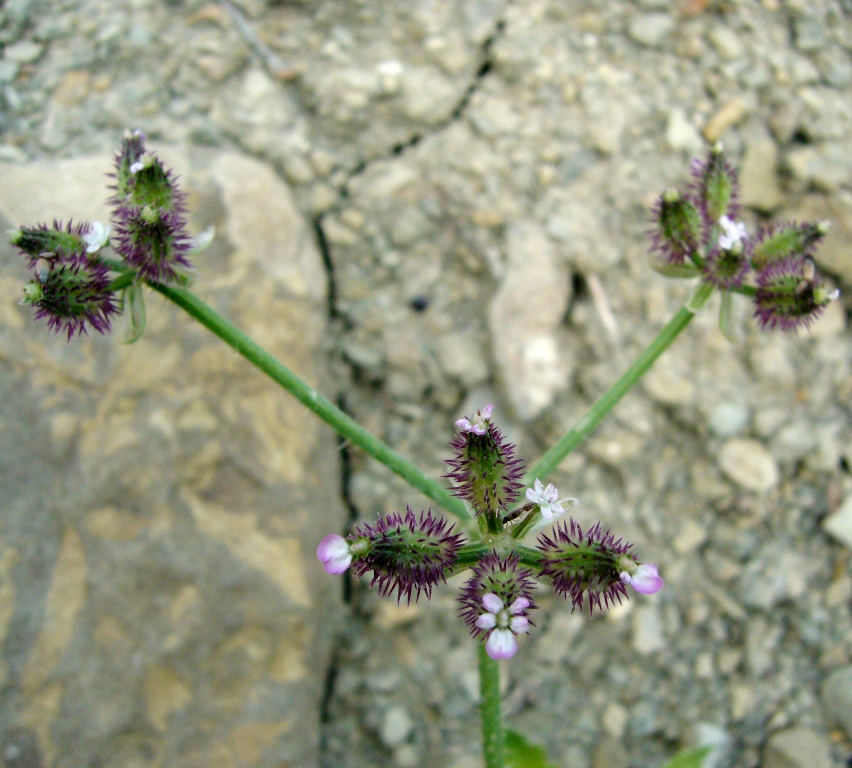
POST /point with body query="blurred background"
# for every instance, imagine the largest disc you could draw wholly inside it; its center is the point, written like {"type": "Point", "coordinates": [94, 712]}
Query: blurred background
{"type": "Point", "coordinates": [422, 207]}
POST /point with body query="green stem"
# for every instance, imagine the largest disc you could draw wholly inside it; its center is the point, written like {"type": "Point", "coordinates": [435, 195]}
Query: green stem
{"type": "Point", "coordinates": [492, 720]}
{"type": "Point", "coordinates": [606, 402]}
{"type": "Point", "coordinates": [309, 397]}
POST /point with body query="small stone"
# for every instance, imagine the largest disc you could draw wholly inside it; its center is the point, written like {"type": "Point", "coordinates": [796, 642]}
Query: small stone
{"type": "Point", "coordinates": [774, 573]}
{"type": "Point", "coordinates": [839, 522]}
{"type": "Point", "coordinates": [726, 116]}
{"type": "Point", "coordinates": [73, 88]}
{"type": "Point", "coordinates": [396, 726]}
{"type": "Point", "coordinates": [826, 166]}
{"type": "Point", "coordinates": [726, 42]}
{"type": "Point", "coordinates": [666, 384]}
{"type": "Point", "coordinates": [681, 134]}
{"type": "Point", "coordinates": [648, 634]}
{"type": "Point", "coordinates": [749, 465]}
{"type": "Point", "coordinates": [728, 419]}
{"type": "Point", "coordinates": [797, 748]}
{"type": "Point", "coordinates": [691, 536]}
{"type": "Point", "coordinates": [651, 29]}
{"type": "Point", "coordinates": [836, 696]}
{"type": "Point", "coordinates": [610, 754]}
{"type": "Point", "coordinates": [428, 96]}
{"type": "Point", "coordinates": [8, 71]}
{"type": "Point", "coordinates": [615, 720]}
{"type": "Point", "coordinates": [23, 52]}
{"type": "Point", "coordinates": [809, 33]}
{"type": "Point", "coordinates": [758, 178]}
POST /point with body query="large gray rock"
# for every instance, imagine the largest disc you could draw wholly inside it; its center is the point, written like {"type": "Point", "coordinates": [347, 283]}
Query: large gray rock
{"type": "Point", "coordinates": [162, 501]}
{"type": "Point", "coordinates": [797, 748]}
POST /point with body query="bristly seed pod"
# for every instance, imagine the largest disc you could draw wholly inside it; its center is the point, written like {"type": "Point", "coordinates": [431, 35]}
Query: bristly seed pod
{"type": "Point", "coordinates": [406, 554]}
{"type": "Point", "coordinates": [485, 471]}
{"type": "Point", "coordinates": [790, 294]}
{"type": "Point", "coordinates": [678, 227]}
{"type": "Point", "coordinates": [592, 566]}
{"type": "Point", "coordinates": [715, 186]}
{"type": "Point", "coordinates": [782, 241]}
{"type": "Point", "coordinates": [72, 292]}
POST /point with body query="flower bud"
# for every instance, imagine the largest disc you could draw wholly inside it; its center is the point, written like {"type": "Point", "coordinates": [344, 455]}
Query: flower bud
{"type": "Point", "coordinates": [589, 566]}
{"type": "Point", "coordinates": [494, 603]}
{"type": "Point", "coordinates": [485, 471]}
{"type": "Point", "coordinates": [407, 554]}
{"type": "Point", "coordinates": [782, 241]}
{"type": "Point", "coordinates": [790, 294]}
{"type": "Point", "coordinates": [716, 185]}
{"type": "Point", "coordinates": [678, 228]}
{"type": "Point", "coordinates": [35, 241]}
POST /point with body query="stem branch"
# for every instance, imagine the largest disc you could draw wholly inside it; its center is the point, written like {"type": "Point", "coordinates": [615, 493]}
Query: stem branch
{"type": "Point", "coordinates": [492, 720]}
{"type": "Point", "coordinates": [606, 402]}
{"type": "Point", "coordinates": [309, 397]}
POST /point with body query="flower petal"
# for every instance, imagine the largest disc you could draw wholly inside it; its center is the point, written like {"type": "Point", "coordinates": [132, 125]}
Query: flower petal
{"type": "Point", "coordinates": [333, 552]}
{"type": "Point", "coordinates": [501, 644]}
{"type": "Point", "coordinates": [519, 605]}
{"type": "Point", "coordinates": [519, 624]}
{"type": "Point", "coordinates": [645, 580]}
{"type": "Point", "coordinates": [492, 603]}
{"type": "Point", "coordinates": [486, 621]}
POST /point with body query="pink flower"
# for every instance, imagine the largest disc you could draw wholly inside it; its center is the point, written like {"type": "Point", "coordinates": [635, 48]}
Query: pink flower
{"type": "Point", "coordinates": [643, 578]}
{"type": "Point", "coordinates": [479, 423]}
{"type": "Point", "coordinates": [334, 554]}
{"type": "Point", "coordinates": [504, 624]}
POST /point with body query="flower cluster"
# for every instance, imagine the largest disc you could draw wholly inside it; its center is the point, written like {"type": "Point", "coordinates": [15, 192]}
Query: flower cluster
{"type": "Point", "coordinates": [697, 233]}
{"type": "Point", "coordinates": [69, 288]}
{"type": "Point", "coordinates": [149, 213]}
{"type": "Point", "coordinates": [73, 287]}
{"type": "Point", "coordinates": [409, 554]}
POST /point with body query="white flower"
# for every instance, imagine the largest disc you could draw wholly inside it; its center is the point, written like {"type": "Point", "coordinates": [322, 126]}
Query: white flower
{"type": "Point", "coordinates": [504, 624]}
{"type": "Point", "coordinates": [548, 500]}
{"type": "Point", "coordinates": [735, 231]}
{"type": "Point", "coordinates": [97, 236]}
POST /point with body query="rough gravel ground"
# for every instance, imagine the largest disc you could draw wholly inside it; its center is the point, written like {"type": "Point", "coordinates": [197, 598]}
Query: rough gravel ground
{"type": "Point", "coordinates": [478, 176]}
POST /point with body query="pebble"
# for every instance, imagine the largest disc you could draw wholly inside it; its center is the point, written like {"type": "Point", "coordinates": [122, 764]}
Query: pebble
{"type": "Point", "coordinates": [396, 726]}
{"type": "Point", "coordinates": [8, 71]}
{"type": "Point", "coordinates": [836, 698]}
{"type": "Point", "coordinates": [839, 522]}
{"type": "Point", "coordinates": [610, 754]}
{"type": "Point", "coordinates": [797, 748]}
{"type": "Point", "coordinates": [23, 52]}
{"type": "Point", "coordinates": [726, 42]}
{"type": "Point", "coordinates": [648, 636]}
{"type": "Point", "coordinates": [826, 166]}
{"type": "Point", "coordinates": [728, 419]}
{"type": "Point", "coordinates": [681, 134]}
{"type": "Point", "coordinates": [759, 187]}
{"type": "Point", "coordinates": [774, 573]}
{"type": "Point", "coordinates": [729, 114]}
{"type": "Point", "coordinates": [651, 29]}
{"type": "Point", "coordinates": [749, 465]}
